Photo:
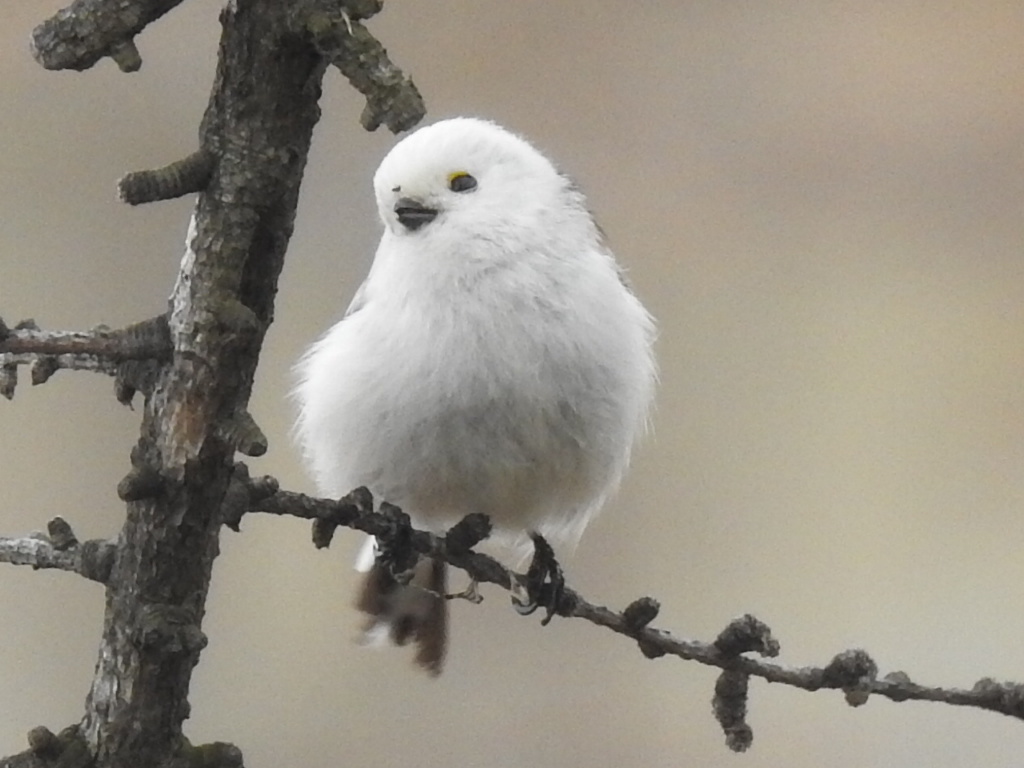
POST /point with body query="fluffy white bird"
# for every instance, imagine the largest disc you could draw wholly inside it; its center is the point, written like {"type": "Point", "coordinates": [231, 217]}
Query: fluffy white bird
{"type": "Point", "coordinates": [493, 361]}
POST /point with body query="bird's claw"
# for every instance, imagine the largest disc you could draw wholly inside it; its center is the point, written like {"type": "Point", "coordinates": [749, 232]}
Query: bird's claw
{"type": "Point", "coordinates": [395, 550]}
{"type": "Point", "coordinates": [521, 600]}
{"type": "Point", "coordinates": [471, 593]}
{"type": "Point", "coordinates": [544, 584]}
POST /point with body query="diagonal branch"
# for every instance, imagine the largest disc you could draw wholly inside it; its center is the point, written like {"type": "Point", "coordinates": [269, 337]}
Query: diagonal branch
{"type": "Point", "coordinates": [391, 97]}
{"type": "Point", "coordinates": [83, 33]}
{"type": "Point", "coordinates": [851, 671]}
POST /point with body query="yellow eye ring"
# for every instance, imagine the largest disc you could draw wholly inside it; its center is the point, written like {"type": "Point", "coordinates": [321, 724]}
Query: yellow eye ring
{"type": "Point", "coordinates": [460, 181]}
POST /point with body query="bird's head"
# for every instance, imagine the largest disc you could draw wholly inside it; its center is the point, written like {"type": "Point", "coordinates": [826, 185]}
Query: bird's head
{"type": "Point", "coordinates": [465, 176]}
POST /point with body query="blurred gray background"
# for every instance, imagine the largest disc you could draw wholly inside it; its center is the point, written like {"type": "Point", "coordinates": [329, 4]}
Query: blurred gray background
{"type": "Point", "coordinates": [822, 204]}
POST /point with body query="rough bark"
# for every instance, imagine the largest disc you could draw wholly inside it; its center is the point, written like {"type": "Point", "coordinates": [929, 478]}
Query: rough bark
{"type": "Point", "coordinates": [201, 359]}
{"type": "Point", "coordinates": [258, 126]}
{"type": "Point", "coordinates": [196, 365]}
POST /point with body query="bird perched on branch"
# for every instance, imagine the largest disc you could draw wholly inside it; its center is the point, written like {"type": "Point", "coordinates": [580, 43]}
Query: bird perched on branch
{"type": "Point", "coordinates": [493, 361]}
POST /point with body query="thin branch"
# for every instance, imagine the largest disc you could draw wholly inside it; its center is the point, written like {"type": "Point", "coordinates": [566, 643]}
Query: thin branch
{"type": "Point", "coordinates": [78, 36]}
{"type": "Point", "coordinates": [147, 339]}
{"type": "Point", "coordinates": [852, 671]}
{"type": "Point", "coordinates": [61, 550]}
{"type": "Point", "coordinates": [391, 97]}
{"type": "Point", "coordinates": [102, 350]}
{"type": "Point", "coordinates": [182, 177]}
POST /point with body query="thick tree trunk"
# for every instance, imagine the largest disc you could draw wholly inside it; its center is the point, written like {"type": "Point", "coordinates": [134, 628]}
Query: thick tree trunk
{"type": "Point", "coordinates": [258, 128]}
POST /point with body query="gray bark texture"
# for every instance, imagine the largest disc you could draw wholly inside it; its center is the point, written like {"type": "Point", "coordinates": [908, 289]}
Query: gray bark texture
{"type": "Point", "coordinates": [254, 142]}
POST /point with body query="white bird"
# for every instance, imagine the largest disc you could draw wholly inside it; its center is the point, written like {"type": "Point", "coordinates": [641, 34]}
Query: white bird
{"type": "Point", "coordinates": [493, 361]}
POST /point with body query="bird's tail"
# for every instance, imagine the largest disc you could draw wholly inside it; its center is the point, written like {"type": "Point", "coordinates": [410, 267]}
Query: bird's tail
{"type": "Point", "coordinates": [417, 610]}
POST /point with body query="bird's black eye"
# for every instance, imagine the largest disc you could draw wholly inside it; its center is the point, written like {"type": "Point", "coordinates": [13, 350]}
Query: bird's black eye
{"type": "Point", "coordinates": [460, 181]}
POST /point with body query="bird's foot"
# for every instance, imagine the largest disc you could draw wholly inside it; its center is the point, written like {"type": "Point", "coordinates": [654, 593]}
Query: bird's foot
{"type": "Point", "coordinates": [471, 593]}
{"type": "Point", "coordinates": [394, 549]}
{"type": "Point", "coordinates": [543, 585]}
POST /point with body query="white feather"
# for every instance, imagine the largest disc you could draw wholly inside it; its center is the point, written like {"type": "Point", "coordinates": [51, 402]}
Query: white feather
{"type": "Point", "coordinates": [493, 361]}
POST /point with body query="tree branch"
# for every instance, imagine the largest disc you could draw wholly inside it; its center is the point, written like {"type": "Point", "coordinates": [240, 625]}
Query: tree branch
{"type": "Point", "coordinates": [182, 177]}
{"type": "Point", "coordinates": [851, 671]}
{"type": "Point", "coordinates": [101, 350]}
{"type": "Point", "coordinates": [60, 550]}
{"type": "Point", "coordinates": [78, 36]}
{"type": "Point", "coordinates": [391, 98]}
{"type": "Point", "coordinates": [148, 339]}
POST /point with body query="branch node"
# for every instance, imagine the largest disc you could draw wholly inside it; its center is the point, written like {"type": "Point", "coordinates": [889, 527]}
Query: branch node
{"type": "Point", "coordinates": [67, 749]}
{"type": "Point", "coordinates": [61, 535]}
{"type": "Point", "coordinates": [854, 671]}
{"type": "Point", "coordinates": [234, 316]}
{"type": "Point", "coordinates": [126, 56]}
{"type": "Point", "coordinates": [133, 376]}
{"type": "Point", "coordinates": [182, 177]}
{"type": "Point", "coordinates": [263, 487]}
{"type": "Point", "coordinates": [27, 325]}
{"type": "Point", "coordinates": [243, 493]}
{"type": "Point", "coordinates": [640, 613]}
{"type": "Point", "coordinates": [98, 559]}
{"type": "Point", "coordinates": [360, 500]}
{"type": "Point", "coordinates": [747, 633]}
{"type": "Point", "coordinates": [467, 533]}
{"type": "Point", "coordinates": [170, 628]}
{"type": "Point", "coordinates": [649, 648]}
{"type": "Point", "coordinates": [730, 708]}
{"type": "Point", "coordinates": [219, 754]}
{"type": "Point", "coordinates": [900, 681]}
{"type": "Point", "coordinates": [237, 497]}
{"type": "Point", "coordinates": [150, 338]}
{"type": "Point", "coordinates": [142, 482]}
{"type": "Point", "coordinates": [44, 743]}
{"type": "Point", "coordinates": [1002, 697]}
{"type": "Point", "coordinates": [4, 330]}
{"type": "Point", "coordinates": [350, 506]}
{"type": "Point", "coordinates": [43, 368]}
{"type": "Point", "coordinates": [244, 435]}
{"type": "Point", "coordinates": [323, 532]}
{"type": "Point", "coordinates": [899, 677]}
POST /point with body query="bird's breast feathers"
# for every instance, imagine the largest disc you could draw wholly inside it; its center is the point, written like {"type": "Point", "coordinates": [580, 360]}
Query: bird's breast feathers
{"type": "Point", "coordinates": [448, 405]}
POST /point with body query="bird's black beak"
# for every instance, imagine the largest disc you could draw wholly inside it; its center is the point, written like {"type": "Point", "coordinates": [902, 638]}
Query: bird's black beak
{"type": "Point", "coordinates": [412, 214]}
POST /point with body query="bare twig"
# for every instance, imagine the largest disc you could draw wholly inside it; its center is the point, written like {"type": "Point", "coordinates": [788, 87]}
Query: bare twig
{"type": "Point", "coordinates": [101, 350]}
{"type": "Point", "coordinates": [59, 549]}
{"type": "Point", "coordinates": [391, 98]}
{"type": "Point", "coordinates": [83, 33]}
{"type": "Point", "coordinates": [147, 339]}
{"type": "Point", "coordinates": [183, 177]}
{"type": "Point", "coordinates": [852, 671]}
